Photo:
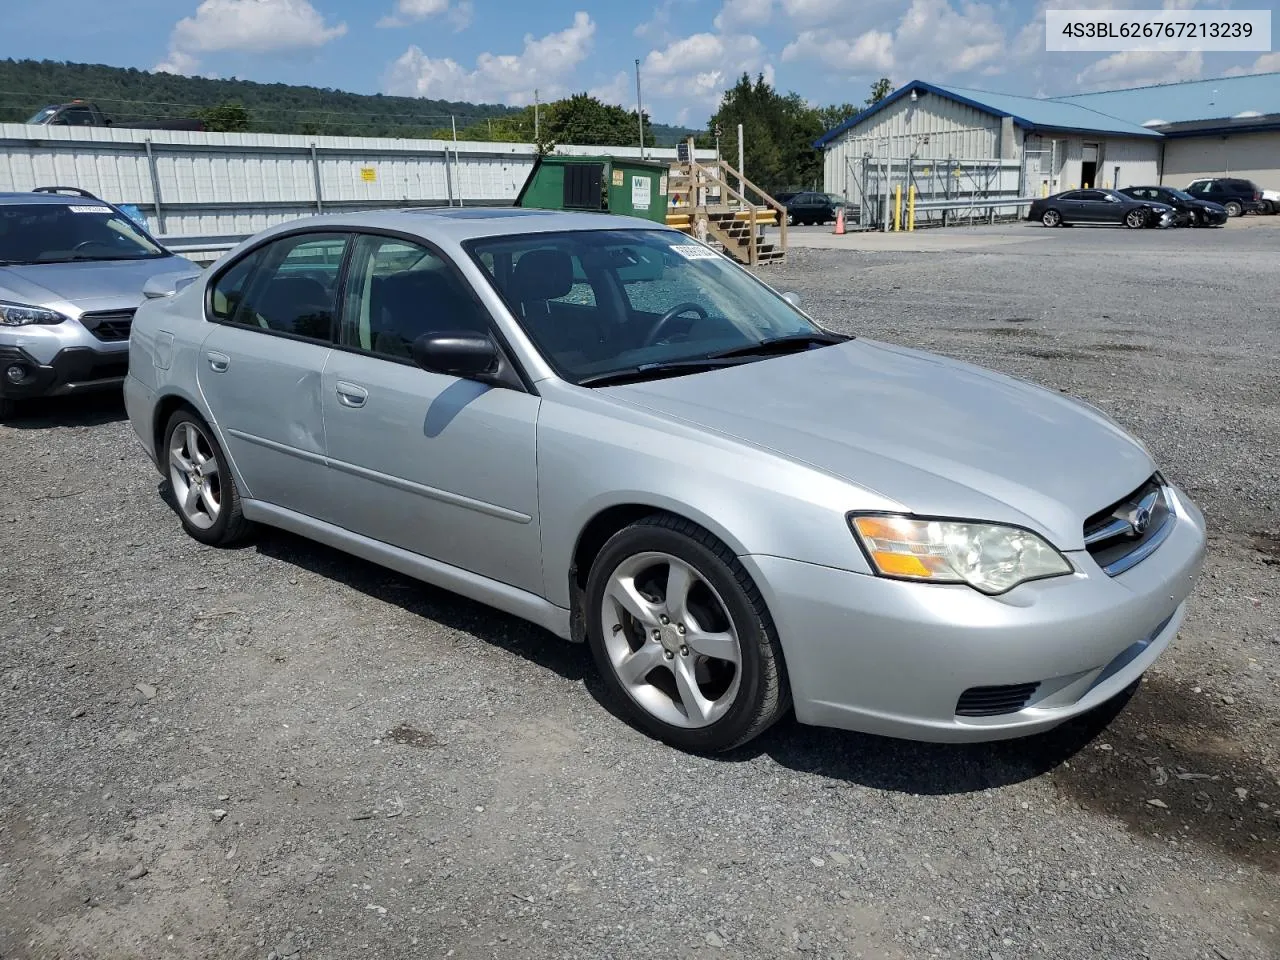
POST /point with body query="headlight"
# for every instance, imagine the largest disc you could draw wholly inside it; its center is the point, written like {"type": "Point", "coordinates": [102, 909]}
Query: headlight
{"type": "Point", "coordinates": [21, 314]}
{"type": "Point", "coordinates": [989, 557]}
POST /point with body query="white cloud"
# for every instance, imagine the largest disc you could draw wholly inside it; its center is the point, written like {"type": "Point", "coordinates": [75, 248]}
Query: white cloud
{"type": "Point", "coordinates": [410, 11]}
{"type": "Point", "coordinates": [1140, 68]}
{"type": "Point", "coordinates": [657, 29]}
{"type": "Point", "coordinates": [619, 90]}
{"type": "Point", "coordinates": [1267, 63]}
{"type": "Point", "coordinates": [736, 14]}
{"type": "Point", "coordinates": [974, 40]}
{"type": "Point", "coordinates": [246, 26]}
{"type": "Point", "coordinates": [545, 64]}
{"type": "Point", "coordinates": [699, 68]}
{"type": "Point", "coordinates": [872, 52]}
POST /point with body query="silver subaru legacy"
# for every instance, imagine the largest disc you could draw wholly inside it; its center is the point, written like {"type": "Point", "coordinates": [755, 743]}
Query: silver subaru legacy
{"type": "Point", "coordinates": [611, 430]}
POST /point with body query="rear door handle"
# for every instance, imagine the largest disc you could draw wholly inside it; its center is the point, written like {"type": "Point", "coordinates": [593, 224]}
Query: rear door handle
{"type": "Point", "coordinates": [218, 362]}
{"type": "Point", "coordinates": [351, 394]}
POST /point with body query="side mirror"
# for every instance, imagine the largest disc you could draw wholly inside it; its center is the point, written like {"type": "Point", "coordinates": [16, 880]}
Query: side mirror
{"type": "Point", "coordinates": [792, 298]}
{"type": "Point", "coordinates": [465, 355]}
{"type": "Point", "coordinates": [167, 284]}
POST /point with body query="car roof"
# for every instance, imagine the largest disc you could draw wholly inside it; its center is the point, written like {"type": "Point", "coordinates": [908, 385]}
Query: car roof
{"type": "Point", "coordinates": [458, 224]}
{"type": "Point", "coordinates": [7, 199]}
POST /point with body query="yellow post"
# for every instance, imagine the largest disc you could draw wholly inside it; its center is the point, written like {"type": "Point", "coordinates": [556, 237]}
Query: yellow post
{"type": "Point", "coordinates": [1044, 189]}
{"type": "Point", "coordinates": [1085, 187]}
{"type": "Point", "coordinates": [911, 208]}
{"type": "Point", "coordinates": [897, 208]}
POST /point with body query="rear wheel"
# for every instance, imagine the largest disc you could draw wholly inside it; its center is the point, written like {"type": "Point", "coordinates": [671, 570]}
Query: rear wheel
{"type": "Point", "coordinates": [682, 637]}
{"type": "Point", "coordinates": [1268, 208]}
{"type": "Point", "coordinates": [204, 491]}
{"type": "Point", "coordinates": [1051, 218]}
{"type": "Point", "coordinates": [1135, 219]}
{"type": "Point", "coordinates": [1233, 208]}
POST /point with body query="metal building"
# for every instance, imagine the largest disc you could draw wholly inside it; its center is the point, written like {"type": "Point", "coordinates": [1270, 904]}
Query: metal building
{"type": "Point", "coordinates": [1229, 126]}
{"type": "Point", "coordinates": [952, 142]}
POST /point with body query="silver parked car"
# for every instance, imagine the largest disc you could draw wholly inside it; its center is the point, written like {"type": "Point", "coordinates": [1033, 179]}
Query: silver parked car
{"type": "Point", "coordinates": [72, 271]}
{"type": "Point", "coordinates": [609, 429]}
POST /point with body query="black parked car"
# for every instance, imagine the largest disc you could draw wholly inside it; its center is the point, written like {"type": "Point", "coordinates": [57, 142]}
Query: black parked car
{"type": "Point", "coordinates": [1237, 196]}
{"type": "Point", "coordinates": [810, 207]}
{"type": "Point", "coordinates": [1100, 206]}
{"type": "Point", "coordinates": [1189, 212]}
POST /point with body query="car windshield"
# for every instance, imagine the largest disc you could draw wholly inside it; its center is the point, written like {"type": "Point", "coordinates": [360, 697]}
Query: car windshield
{"type": "Point", "coordinates": [600, 303]}
{"type": "Point", "coordinates": [43, 115]}
{"type": "Point", "coordinates": [63, 232]}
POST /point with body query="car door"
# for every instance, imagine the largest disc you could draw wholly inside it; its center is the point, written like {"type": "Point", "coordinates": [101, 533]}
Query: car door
{"type": "Point", "coordinates": [259, 367]}
{"type": "Point", "coordinates": [1092, 207]}
{"type": "Point", "coordinates": [437, 465]}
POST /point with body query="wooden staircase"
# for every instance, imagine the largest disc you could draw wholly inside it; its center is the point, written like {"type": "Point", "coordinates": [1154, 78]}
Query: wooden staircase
{"type": "Point", "coordinates": [704, 203]}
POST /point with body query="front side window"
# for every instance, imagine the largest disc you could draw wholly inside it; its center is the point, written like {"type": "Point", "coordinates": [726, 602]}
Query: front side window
{"type": "Point", "coordinates": [657, 297]}
{"type": "Point", "coordinates": [398, 291]}
{"type": "Point", "coordinates": [63, 232]}
{"type": "Point", "coordinates": [288, 286]}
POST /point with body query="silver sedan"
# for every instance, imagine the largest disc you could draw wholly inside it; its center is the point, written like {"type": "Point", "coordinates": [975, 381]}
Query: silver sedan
{"type": "Point", "coordinates": [609, 429]}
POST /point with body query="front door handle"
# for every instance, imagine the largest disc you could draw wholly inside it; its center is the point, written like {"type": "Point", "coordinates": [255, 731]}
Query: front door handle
{"type": "Point", "coordinates": [218, 362]}
{"type": "Point", "coordinates": [351, 394]}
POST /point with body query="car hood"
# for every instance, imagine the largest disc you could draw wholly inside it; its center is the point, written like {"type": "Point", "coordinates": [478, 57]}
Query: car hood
{"type": "Point", "coordinates": [86, 285]}
{"type": "Point", "coordinates": [938, 436]}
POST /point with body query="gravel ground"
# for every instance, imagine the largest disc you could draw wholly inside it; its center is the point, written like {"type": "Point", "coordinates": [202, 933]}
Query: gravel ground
{"type": "Point", "coordinates": [280, 751]}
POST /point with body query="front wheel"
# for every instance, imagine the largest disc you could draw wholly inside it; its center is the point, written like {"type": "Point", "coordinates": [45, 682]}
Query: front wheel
{"type": "Point", "coordinates": [1268, 208]}
{"type": "Point", "coordinates": [204, 491]}
{"type": "Point", "coordinates": [1233, 208]}
{"type": "Point", "coordinates": [1135, 219]}
{"type": "Point", "coordinates": [682, 637]}
{"type": "Point", "coordinates": [1051, 218]}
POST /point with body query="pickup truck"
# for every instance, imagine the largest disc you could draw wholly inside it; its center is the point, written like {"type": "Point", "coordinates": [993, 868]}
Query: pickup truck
{"type": "Point", "coordinates": [82, 113]}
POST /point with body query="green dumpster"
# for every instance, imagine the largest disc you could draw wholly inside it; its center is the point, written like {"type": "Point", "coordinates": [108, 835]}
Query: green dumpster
{"type": "Point", "coordinates": [632, 188]}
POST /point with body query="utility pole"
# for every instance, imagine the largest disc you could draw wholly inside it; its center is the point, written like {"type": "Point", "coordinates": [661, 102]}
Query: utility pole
{"type": "Point", "coordinates": [717, 143]}
{"type": "Point", "coordinates": [742, 174]}
{"type": "Point", "coordinates": [639, 109]}
{"type": "Point", "coordinates": [457, 172]}
{"type": "Point", "coordinates": [537, 138]}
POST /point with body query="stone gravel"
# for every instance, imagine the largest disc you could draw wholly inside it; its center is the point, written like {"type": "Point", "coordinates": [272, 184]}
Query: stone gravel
{"type": "Point", "coordinates": [280, 751]}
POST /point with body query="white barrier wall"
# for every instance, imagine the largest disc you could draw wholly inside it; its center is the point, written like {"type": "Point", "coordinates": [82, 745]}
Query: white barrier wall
{"type": "Point", "coordinates": [190, 183]}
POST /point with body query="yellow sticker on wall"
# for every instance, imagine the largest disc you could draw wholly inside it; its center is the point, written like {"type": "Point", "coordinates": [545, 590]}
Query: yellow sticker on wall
{"type": "Point", "coordinates": [368, 174]}
{"type": "Point", "coordinates": [618, 178]}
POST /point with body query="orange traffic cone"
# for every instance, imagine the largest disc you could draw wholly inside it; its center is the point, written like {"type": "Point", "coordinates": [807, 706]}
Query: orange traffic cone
{"type": "Point", "coordinates": [840, 222]}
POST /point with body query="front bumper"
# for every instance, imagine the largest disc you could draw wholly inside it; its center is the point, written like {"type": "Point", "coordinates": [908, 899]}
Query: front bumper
{"type": "Point", "coordinates": [894, 658]}
{"type": "Point", "coordinates": [70, 370]}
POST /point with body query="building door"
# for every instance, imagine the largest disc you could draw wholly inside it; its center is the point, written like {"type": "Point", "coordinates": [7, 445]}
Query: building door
{"type": "Point", "coordinates": [1089, 165]}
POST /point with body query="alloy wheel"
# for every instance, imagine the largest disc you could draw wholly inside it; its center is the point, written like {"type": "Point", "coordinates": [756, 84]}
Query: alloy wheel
{"type": "Point", "coordinates": [193, 472]}
{"type": "Point", "coordinates": [1135, 219]}
{"type": "Point", "coordinates": [670, 640]}
{"type": "Point", "coordinates": [1051, 218]}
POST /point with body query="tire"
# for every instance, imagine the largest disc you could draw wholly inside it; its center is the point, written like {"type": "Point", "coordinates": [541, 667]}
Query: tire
{"type": "Point", "coordinates": [7, 407]}
{"type": "Point", "coordinates": [1051, 218]}
{"type": "Point", "coordinates": [1268, 208]}
{"type": "Point", "coordinates": [684, 697]}
{"type": "Point", "coordinates": [1233, 208]}
{"type": "Point", "coordinates": [1135, 219]}
{"type": "Point", "coordinates": [210, 508]}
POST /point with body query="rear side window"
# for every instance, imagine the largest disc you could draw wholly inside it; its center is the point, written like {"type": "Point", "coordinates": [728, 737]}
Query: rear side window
{"type": "Point", "coordinates": [289, 286]}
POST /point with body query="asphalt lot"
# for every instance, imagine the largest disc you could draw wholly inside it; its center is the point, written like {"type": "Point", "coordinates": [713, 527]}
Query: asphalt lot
{"type": "Point", "coordinates": [309, 756]}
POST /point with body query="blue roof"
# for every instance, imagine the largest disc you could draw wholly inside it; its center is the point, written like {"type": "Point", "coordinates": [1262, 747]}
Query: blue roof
{"type": "Point", "coordinates": [1198, 100]}
{"type": "Point", "coordinates": [1029, 113]}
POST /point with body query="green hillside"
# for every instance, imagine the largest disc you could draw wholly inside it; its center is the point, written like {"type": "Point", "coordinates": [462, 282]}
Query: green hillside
{"type": "Point", "coordinates": [132, 95]}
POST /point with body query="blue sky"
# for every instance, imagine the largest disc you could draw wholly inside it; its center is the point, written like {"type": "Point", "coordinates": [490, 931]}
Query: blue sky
{"type": "Point", "coordinates": [504, 50]}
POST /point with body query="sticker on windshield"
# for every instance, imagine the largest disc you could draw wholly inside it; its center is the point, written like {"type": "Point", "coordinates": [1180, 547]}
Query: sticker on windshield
{"type": "Point", "coordinates": [89, 209]}
{"type": "Point", "coordinates": [694, 252]}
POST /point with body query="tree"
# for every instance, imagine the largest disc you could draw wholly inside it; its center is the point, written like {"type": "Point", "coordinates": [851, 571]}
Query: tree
{"type": "Point", "coordinates": [777, 133]}
{"type": "Point", "coordinates": [833, 115]}
{"type": "Point", "coordinates": [879, 90]}
{"type": "Point", "coordinates": [229, 117]}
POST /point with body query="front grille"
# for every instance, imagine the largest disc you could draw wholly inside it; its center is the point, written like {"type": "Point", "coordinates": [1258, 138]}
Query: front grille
{"type": "Point", "coordinates": [994, 701]}
{"type": "Point", "coordinates": [1127, 532]}
{"type": "Point", "coordinates": [110, 326]}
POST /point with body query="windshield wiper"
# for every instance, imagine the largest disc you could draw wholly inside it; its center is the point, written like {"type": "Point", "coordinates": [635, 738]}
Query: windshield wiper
{"type": "Point", "coordinates": [791, 343]}
{"type": "Point", "coordinates": [656, 371]}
